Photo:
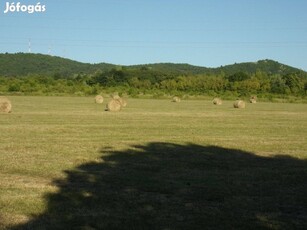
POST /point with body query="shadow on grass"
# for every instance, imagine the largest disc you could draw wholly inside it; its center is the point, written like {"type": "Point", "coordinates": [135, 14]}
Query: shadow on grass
{"type": "Point", "coordinates": [170, 186]}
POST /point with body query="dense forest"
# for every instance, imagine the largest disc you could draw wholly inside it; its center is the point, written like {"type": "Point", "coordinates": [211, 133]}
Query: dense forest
{"type": "Point", "coordinates": [37, 74]}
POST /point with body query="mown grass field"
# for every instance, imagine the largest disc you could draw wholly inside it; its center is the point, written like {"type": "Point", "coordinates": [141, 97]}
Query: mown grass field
{"type": "Point", "coordinates": [65, 163]}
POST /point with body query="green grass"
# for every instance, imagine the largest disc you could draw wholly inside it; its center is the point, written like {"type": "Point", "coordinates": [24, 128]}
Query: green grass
{"type": "Point", "coordinates": [65, 163]}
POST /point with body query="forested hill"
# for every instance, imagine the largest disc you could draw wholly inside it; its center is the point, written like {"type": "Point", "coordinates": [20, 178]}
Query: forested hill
{"type": "Point", "coordinates": [266, 66]}
{"type": "Point", "coordinates": [269, 67]}
{"type": "Point", "coordinates": [24, 64]}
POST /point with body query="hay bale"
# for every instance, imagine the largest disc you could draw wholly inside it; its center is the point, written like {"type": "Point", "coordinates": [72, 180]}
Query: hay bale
{"type": "Point", "coordinates": [217, 101]}
{"type": "Point", "coordinates": [99, 99]}
{"type": "Point", "coordinates": [113, 105]}
{"type": "Point", "coordinates": [5, 105]}
{"type": "Point", "coordinates": [176, 99]}
{"type": "Point", "coordinates": [115, 96]}
{"type": "Point", "coordinates": [122, 102]}
{"type": "Point", "coordinates": [239, 104]}
{"type": "Point", "coordinates": [253, 99]}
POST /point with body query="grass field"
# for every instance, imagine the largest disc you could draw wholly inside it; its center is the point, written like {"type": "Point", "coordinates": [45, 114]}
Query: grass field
{"type": "Point", "coordinates": [65, 163]}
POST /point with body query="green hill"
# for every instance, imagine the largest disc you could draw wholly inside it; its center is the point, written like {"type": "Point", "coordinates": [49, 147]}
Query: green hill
{"type": "Point", "coordinates": [174, 68]}
{"type": "Point", "coordinates": [267, 66]}
{"type": "Point", "coordinates": [23, 64]}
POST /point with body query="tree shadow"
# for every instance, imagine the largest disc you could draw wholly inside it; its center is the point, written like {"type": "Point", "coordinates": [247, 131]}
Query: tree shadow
{"type": "Point", "coordinates": [171, 186]}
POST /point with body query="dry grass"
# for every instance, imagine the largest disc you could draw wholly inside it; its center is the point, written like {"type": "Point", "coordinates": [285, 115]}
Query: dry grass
{"type": "Point", "coordinates": [64, 155]}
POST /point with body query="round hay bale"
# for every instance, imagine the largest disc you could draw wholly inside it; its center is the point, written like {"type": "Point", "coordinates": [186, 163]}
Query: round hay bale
{"type": "Point", "coordinates": [253, 99]}
{"type": "Point", "coordinates": [122, 102]}
{"type": "Point", "coordinates": [176, 99]}
{"type": "Point", "coordinates": [239, 104]}
{"type": "Point", "coordinates": [99, 99]}
{"type": "Point", "coordinates": [217, 101]}
{"type": "Point", "coordinates": [5, 105]}
{"type": "Point", "coordinates": [113, 106]}
{"type": "Point", "coordinates": [115, 96]}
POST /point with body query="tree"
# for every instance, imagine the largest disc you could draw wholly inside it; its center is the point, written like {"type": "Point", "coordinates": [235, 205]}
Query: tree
{"type": "Point", "coordinates": [294, 83]}
{"type": "Point", "coordinates": [239, 76]}
{"type": "Point", "coordinates": [14, 85]}
{"type": "Point", "coordinates": [279, 86]}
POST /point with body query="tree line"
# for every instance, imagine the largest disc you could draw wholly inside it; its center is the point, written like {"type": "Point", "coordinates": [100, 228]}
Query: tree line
{"type": "Point", "coordinates": [144, 80]}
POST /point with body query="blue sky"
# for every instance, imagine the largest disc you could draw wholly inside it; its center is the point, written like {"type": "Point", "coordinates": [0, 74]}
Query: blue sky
{"type": "Point", "coordinates": [207, 33]}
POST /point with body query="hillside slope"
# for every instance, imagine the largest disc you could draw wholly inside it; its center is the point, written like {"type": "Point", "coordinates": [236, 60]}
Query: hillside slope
{"type": "Point", "coordinates": [267, 66]}
{"type": "Point", "coordinates": [23, 64]}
